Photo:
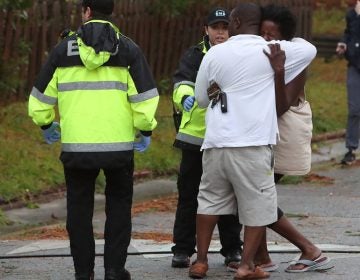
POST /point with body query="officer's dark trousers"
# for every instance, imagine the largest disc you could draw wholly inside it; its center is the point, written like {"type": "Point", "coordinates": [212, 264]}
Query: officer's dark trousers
{"type": "Point", "coordinates": [80, 205]}
{"type": "Point", "coordinates": [185, 220]}
{"type": "Point", "coordinates": [353, 100]}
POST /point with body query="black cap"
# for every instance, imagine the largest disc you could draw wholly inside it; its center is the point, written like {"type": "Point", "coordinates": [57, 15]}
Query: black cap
{"type": "Point", "coordinates": [105, 7]}
{"type": "Point", "coordinates": [218, 15]}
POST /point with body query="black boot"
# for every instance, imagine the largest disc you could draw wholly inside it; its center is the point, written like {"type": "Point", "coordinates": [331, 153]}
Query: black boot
{"type": "Point", "coordinates": [84, 276]}
{"type": "Point", "coordinates": [180, 260]}
{"type": "Point", "coordinates": [113, 274]}
{"type": "Point", "coordinates": [349, 158]}
{"type": "Point", "coordinates": [233, 256]}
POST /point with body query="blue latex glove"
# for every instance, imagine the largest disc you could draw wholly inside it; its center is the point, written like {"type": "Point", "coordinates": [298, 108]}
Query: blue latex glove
{"type": "Point", "coordinates": [142, 144]}
{"type": "Point", "coordinates": [188, 103]}
{"type": "Point", "coordinates": [51, 134]}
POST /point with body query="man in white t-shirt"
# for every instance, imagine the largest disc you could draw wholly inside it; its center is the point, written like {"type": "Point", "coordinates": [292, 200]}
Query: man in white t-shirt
{"type": "Point", "coordinates": [240, 129]}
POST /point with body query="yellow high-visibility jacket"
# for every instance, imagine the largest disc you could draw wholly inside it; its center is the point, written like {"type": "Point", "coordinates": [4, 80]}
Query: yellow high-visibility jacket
{"type": "Point", "coordinates": [102, 85]}
{"type": "Point", "coordinates": [192, 127]}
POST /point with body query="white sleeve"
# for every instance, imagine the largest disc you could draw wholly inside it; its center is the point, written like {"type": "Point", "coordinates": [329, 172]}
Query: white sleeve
{"type": "Point", "coordinates": [299, 54]}
{"type": "Point", "coordinates": [202, 84]}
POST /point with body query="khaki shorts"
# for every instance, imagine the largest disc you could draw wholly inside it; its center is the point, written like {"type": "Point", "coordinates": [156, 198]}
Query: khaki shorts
{"type": "Point", "coordinates": [239, 180]}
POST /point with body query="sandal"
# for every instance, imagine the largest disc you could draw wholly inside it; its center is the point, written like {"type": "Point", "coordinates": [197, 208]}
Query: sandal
{"type": "Point", "coordinates": [310, 265]}
{"type": "Point", "coordinates": [198, 270]}
{"type": "Point", "coordinates": [258, 273]}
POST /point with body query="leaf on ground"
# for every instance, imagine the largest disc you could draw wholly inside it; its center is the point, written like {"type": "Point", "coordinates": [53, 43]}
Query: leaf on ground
{"type": "Point", "coordinates": [164, 204]}
{"type": "Point", "coordinates": [316, 178]}
{"type": "Point", "coordinates": [156, 236]}
{"type": "Point", "coordinates": [40, 233]}
{"type": "Point", "coordinates": [296, 215]}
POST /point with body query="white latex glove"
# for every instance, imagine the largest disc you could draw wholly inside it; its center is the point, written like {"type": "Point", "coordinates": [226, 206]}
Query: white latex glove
{"type": "Point", "coordinates": [341, 48]}
{"type": "Point", "coordinates": [357, 7]}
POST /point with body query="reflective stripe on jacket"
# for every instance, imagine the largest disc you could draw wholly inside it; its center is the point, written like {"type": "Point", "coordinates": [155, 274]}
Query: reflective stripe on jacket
{"type": "Point", "coordinates": [192, 128]}
{"type": "Point", "coordinates": [103, 88]}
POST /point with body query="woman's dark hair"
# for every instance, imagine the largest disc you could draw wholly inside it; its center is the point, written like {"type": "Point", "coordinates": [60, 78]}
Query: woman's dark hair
{"type": "Point", "coordinates": [283, 17]}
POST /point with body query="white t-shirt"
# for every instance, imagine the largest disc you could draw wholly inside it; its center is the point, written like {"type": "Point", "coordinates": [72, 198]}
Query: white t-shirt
{"type": "Point", "coordinates": [244, 73]}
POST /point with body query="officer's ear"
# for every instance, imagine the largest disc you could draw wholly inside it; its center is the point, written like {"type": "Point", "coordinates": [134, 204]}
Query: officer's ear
{"type": "Point", "coordinates": [87, 13]}
{"type": "Point", "coordinates": [206, 30]}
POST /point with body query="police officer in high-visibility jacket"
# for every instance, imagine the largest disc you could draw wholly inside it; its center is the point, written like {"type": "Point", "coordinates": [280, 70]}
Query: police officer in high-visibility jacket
{"type": "Point", "coordinates": [106, 96]}
{"type": "Point", "coordinates": [189, 139]}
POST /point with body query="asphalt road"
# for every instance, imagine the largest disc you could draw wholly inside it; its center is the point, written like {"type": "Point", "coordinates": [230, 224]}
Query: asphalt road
{"type": "Point", "coordinates": [328, 213]}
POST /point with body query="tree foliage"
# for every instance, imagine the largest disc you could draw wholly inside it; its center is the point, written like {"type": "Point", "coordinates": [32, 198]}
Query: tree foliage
{"type": "Point", "coordinates": [10, 68]}
{"type": "Point", "coordinates": [15, 4]}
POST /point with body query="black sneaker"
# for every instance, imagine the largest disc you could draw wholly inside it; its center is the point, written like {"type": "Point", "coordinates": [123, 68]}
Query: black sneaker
{"type": "Point", "coordinates": [180, 260]}
{"type": "Point", "coordinates": [232, 257]}
{"type": "Point", "coordinates": [349, 158]}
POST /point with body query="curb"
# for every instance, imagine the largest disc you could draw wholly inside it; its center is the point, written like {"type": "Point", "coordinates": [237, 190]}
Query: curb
{"type": "Point", "coordinates": [55, 211]}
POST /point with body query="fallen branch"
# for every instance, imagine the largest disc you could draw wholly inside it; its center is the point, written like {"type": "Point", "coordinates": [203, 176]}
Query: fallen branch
{"type": "Point", "coordinates": [329, 136]}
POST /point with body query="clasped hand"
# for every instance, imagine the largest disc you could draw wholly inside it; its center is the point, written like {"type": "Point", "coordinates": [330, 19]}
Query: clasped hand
{"type": "Point", "coordinates": [142, 144]}
{"type": "Point", "coordinates": [188, 103]}
{"type": "Point", "coordinates": [52, 134]}
{"type": "Point", "coordinates": [276, 57]}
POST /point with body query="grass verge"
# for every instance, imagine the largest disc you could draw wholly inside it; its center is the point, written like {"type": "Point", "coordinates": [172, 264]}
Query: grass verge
{"type": "Point", "coordinates": [329, 22]}
{"type": "Point", "coordinates": [29, 166]}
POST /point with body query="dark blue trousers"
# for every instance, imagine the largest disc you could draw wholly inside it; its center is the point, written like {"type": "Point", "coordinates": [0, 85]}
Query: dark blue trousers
{"type": "Point", "coordinates": [80, 206]}
{"type": "Point", "coordinates": [353, 121]}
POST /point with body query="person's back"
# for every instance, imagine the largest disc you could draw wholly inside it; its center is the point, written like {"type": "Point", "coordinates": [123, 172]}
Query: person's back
{"type": "Point", "coordinates": [245, 87]}
{"type": "Point", "coordinates": [246, 76]}
{"type": "Point", "coordinates": [81, 74]}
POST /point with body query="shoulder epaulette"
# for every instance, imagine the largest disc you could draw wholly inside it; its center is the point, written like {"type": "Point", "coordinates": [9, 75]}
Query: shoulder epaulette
{"type": "Point", "coordinates": [66, 33]}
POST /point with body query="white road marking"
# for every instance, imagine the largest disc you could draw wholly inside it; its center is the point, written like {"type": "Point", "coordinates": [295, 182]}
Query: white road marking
{"type": "Point", "coordinates": [142, 245]}
{"type": "Point", "coordinates": [43, 245]}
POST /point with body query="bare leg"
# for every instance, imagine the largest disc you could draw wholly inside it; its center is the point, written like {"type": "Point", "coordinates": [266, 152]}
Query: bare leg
{"type": "Point", "coordinates": [205, 225]}
{"type": "Point", "coordinates": [284, 228]}
{"type": "Point", "coordinates": [287, 230]}
{"type": "Point", "coordinates": [252, 239]}
{"type": "Point", "coordinates": [262, 256]}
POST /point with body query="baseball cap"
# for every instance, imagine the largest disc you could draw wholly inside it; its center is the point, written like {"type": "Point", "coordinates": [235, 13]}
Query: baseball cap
{"type": "Point", "coordinates": [218, 14]}
{"type": "Point", "coordinates": [105, 7]}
